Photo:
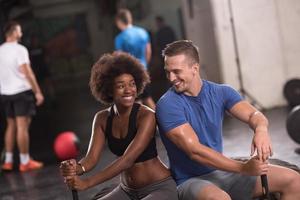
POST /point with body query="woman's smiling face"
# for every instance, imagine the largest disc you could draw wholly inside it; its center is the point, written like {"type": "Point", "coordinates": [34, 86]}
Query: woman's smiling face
{"type": "Point", "coordinates": [124, 90]}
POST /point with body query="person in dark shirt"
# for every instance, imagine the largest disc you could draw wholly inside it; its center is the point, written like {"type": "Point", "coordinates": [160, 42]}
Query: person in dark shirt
{"type": "Point", "coordinates": [129, 128]}
{"type": "Point", "coordinates": [38, 59]}
{"type": "Point", "coordinates": [40, 66]}
{"type": "Point", "coordinates": [164, 35]}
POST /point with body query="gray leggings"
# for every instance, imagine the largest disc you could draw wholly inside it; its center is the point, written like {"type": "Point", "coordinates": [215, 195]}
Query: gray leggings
{"type": "Point", "coordinates": [162, 190]}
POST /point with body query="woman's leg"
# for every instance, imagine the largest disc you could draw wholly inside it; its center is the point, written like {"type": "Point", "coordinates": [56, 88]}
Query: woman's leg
{"type": "Point", "coordinates": [165, 190]}
{"type": "Point", "coordinates": [117, 193]}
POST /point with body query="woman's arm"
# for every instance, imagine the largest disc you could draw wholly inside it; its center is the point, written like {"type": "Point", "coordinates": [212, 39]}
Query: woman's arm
{"type": "Point", "coordinates": [145, 132]}
{"type": "Point", "coordinates": [96, 144]}
{"type": "Point", "coordinates": [70, 168]}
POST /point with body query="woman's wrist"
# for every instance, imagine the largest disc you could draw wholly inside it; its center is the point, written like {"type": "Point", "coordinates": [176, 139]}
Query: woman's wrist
{"type": "Point", "coordinates": [81, 168]}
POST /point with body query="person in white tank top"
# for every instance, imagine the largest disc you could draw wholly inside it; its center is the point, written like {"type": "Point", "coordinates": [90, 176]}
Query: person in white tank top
{"type": "Point", "coordinates": [17, 80]}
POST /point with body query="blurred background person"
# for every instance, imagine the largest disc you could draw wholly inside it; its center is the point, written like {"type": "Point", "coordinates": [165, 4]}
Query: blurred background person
{"type": "Point", "coordinates": [40, 67]}
{"type": "Point", "coordinates": [164, 34]}
{"type": "Point", "coordinates": [20, 93]}
{"type": "Point", "coordinates": [136, 41]}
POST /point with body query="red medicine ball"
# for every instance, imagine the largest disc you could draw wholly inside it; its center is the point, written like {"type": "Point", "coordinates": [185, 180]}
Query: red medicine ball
{"type": "Point", "coordinates": [66, 145]}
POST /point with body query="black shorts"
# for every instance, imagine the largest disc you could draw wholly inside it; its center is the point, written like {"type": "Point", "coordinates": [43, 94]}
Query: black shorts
{"type": "Point", "coordinates": [21, 104]}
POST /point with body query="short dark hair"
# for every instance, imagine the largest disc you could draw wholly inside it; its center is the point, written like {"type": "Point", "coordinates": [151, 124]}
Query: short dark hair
{"type": "Point", "coordinates": [185, 47]}
{"type": "Point", "coordinates": [9, 27]}
{"type": "Point", "coordinates": [110, 66]}
{"type": "Point", "coordinates": [124, 15]}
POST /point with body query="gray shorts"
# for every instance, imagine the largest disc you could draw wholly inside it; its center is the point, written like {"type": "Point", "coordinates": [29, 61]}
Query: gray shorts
{"type": "Point", "coordinates": [239, 187]}
{"type": "Point", "coordinates": [162, 190]}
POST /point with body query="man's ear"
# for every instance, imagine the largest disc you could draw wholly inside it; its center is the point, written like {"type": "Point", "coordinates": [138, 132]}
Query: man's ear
{"type": "Point", "coordinates": [196, 67]}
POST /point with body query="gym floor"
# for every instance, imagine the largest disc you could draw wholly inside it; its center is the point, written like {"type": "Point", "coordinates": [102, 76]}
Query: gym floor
{"type": "Point", "coordinates": [76, 114]}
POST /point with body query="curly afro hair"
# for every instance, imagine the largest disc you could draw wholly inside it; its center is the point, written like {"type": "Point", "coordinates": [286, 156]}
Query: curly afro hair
{"type": "Point", "coordinates": [110, 66]}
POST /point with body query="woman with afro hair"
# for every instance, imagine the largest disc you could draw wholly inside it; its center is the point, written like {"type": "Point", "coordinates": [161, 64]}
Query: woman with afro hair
{"type": "Point", "coordinates": [129, 129]}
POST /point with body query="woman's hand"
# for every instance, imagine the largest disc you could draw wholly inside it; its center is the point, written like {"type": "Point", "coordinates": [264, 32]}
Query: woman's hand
{"type": "Point", "coordinates": [76, 183]}
{"type": "Point", "coordinates": [68, 168]}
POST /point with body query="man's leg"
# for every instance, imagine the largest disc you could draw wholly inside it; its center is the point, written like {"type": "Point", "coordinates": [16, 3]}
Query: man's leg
{"type": "Point", "coordinates": [23, 123]}
{"type": "Point", "coordinates": [26, 163]}
{"type": "Point", "coordinates": [198, 189]}
{"type": "Point", "coordinates": [212, 192]}
{"type": "Point", "coordinates": [283, 180]}
{"type": "Point", "coordinates": [10, 135]}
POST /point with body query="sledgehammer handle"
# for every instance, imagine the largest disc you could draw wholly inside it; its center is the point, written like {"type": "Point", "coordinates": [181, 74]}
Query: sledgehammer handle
{"type": "Point", "coordinates": [75, 194]}
{"type": "Point", "coordinates": [265, 186]}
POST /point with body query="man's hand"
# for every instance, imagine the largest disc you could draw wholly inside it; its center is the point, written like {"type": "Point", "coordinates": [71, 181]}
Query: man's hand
{"type": "Point", "coordinates": [39, 98]}
{"type": "Point", "coordinates": [255, 167]}
{"type": "Point", "coordinates": [261, 144]}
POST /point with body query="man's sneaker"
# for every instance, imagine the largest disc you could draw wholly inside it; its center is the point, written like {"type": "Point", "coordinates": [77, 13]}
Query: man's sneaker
{"type": "Point", "coordinates": [31, 165]}
{"type": "Point", "coordinates": [7, 166]}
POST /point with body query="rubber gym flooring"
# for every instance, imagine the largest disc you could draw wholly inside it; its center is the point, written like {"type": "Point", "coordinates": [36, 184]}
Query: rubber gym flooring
{"type": "Point", "coordinates": [74, 110]}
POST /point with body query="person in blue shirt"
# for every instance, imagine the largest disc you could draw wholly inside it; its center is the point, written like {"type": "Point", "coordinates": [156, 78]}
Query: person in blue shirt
{"type": "Point", "coordinates": [135, 41]}
{"type": "Point", "coordinates": [190, 116]}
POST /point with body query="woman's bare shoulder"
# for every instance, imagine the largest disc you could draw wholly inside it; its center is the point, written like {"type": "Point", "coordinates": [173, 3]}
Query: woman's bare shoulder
{"type": "Point", "coordinates": [145, 112]}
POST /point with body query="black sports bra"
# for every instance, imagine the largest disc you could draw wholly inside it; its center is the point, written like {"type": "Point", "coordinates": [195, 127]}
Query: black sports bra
{"type": "Point", "coordinates": [119, 145]}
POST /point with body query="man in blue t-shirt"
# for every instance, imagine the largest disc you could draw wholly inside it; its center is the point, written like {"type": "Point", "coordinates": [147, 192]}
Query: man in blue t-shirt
{"type": "Point", "coordinates": [190, 116]}
{"type": "Point", "coordinates": [135, 41]}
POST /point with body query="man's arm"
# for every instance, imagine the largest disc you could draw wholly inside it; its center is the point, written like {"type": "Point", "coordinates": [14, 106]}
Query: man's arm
{"type": "Point", "coordinates": [186, 139]}
{"type": "Point", "coordinates": [148, 52]}
{"type": "Point", "coordinates": [259, 124]}
{"type": "Point", "coordinates": [118, 44]}
{"type": "Point", "coordinates": [27, 71]}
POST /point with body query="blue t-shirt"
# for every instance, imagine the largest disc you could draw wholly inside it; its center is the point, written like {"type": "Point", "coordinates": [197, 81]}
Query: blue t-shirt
{"type": "Point", "coordinates": [205, 115]}
{"type": "Point", "coordinates": [133, 40]}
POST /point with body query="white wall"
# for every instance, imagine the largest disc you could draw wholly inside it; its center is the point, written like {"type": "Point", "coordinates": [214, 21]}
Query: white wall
{"type": "Point", "coordinates": [199, 29]}
{"type": "Point", "coordinates": [268, 42]}
{"type": "Point", "coordinates": [288, 13]}
{"type": "Point", "coordinates": [260, 51]}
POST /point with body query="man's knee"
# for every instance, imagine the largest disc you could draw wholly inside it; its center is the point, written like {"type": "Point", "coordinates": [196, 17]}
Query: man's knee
{"type": "Point", "coordinates": [10, 122]}
{"type": "Point", "coordinates": [294, 182]}
{"type": "Point", "coordinates": [21, 130]}
{"type": "Point", "coordinates": [22, 124]}
{"type": "Point", "coordinates": [213, 193]}
{"type": "Point", "coordinates": [289, 182]}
